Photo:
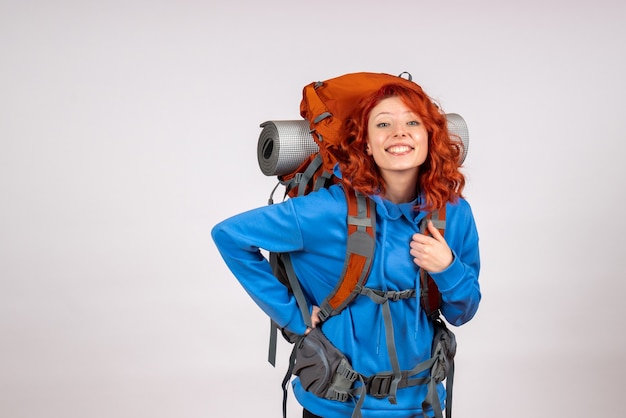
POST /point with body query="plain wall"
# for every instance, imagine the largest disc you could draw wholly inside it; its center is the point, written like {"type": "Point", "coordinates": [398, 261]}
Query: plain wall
{"type": "Point", "coordinates": [129, 128]}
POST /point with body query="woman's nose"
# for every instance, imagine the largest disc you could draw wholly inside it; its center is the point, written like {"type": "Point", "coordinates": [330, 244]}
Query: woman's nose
{"type": "Point", "coordinates": [400, 131]}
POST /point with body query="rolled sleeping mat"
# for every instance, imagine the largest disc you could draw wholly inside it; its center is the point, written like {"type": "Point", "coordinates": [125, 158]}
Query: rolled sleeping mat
{"type": "Point", "coordinates": [283, 145]}
{"type": "Point", "coordinates": [458, 130]}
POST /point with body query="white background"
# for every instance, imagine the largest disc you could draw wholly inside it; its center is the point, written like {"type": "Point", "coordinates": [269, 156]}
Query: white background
{"type": "Point", "coordinates": [129, 128]}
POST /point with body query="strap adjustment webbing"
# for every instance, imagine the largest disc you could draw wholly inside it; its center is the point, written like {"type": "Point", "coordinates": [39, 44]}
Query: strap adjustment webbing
{"type": "Point", "coordinates": [387, 385]}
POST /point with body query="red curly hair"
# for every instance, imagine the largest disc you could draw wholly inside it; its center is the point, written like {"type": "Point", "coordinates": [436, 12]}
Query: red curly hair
{"type": "Point", "coordinates": [439, 179]}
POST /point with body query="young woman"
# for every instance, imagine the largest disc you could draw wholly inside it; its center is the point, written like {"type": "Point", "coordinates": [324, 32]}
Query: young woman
{"type": "Point", "coordinates": [396, 149]}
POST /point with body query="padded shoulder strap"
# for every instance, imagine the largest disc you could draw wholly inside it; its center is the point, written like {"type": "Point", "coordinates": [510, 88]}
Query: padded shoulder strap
{"type": "Point", "coordinates": [359, 254]}
{"type": "Point", "coordinates": [430, 297]}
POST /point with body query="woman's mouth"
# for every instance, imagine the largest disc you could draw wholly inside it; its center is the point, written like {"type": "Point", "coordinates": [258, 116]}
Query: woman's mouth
{"type": "Point", "coordinates": [399, 149]}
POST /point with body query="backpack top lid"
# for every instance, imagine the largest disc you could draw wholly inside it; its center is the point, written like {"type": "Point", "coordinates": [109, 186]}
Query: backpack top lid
{"type": "Point", "coordinates": [327, 104]}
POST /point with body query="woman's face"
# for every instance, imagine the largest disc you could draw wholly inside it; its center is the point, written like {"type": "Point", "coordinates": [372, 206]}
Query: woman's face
{"type": "Point", "coordinates": [397, 138]}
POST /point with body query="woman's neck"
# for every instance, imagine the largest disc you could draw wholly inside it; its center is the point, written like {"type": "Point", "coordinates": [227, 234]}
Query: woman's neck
{"type": "Point", "coordinates": [401, 188]}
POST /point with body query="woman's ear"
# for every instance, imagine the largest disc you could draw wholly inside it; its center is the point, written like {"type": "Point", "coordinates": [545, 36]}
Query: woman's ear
{"type": "Point", "coordinates": [368, 150]}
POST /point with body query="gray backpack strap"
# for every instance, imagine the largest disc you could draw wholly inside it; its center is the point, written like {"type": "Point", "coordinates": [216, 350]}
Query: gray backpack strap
{"type": "Point", "coordinates": [441, 364]}
{"type": "Point", "coordinates": [301, 180]}
{"type": "Point", "coordinates": [271, 352]}
{"type": "Point", "coordinates": [438, 219]}
{"type": "Point", "coordinates": [287, 378]}
{"type": "Point", "coordinates": [430, 297]}
{"type": "Point", "coordinates": [298, 293]}
{"type": "Point", "coordinates": [307, 176]}
{"type": "Point", "coordinates": [382, 298]}
{"type": "Point", "coordinates": [297, 290]}
{"type": "Point", "coordinates": [432, 398]}
{"type": "Point", "coordinates": [444, 350]}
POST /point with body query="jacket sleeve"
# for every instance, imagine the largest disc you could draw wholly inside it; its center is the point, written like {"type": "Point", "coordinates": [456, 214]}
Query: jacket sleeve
{"type": "Point", "coordinates": [458, 284]}
{"type": "Point", "coordinates": [239, 240]}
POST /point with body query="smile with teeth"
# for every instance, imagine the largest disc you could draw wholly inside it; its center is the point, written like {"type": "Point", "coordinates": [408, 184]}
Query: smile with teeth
{"type": "Point", "coordinates": [399, 149]}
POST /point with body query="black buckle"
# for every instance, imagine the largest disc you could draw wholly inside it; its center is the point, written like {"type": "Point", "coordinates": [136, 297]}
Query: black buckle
{"type": "Point", "coordinates": [378, 386]}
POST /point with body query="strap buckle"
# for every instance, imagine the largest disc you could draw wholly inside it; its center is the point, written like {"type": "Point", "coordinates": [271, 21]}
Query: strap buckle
{"type": "Point", "coordinates": [379, 385]}
{"type": "Point", "coordinates": [402, 294]}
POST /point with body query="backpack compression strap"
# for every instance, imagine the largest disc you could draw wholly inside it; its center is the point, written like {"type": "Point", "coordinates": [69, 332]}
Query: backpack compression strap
{"type": "Point", "coordinates": [312, 178]}
{"type": "Point", "coordinates": [359, 254]}
{"type": "Point", "coordinates": [430, 297]}
{"type": "Point", "coordinates": [284, 259]}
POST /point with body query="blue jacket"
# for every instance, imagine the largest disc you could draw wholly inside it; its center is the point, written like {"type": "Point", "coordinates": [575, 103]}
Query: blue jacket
{"type": "Point", "coordinates": [313, 229]}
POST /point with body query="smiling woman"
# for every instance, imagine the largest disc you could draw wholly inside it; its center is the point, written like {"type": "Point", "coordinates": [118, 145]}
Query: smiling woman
{"type": "Point", "coordinates": [396, 153]}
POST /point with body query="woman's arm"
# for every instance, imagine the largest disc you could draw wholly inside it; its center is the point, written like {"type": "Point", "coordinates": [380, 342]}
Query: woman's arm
{"type": "Point", "coordinates": [239, 240]}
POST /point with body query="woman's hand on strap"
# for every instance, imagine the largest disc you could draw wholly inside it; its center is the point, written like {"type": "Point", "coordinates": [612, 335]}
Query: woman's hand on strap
{"type": "Point", "coordinates": [431, 252]}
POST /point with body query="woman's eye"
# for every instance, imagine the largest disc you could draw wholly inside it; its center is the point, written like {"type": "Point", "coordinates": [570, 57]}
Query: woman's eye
{"type": "Point", "coordinates": [413, 123]}
{"type": "Point", "coordinates": [382, 125]}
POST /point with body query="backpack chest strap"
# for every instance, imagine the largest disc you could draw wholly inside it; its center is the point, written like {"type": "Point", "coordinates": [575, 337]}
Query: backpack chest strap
{"type": "Point", "coordinates": [381, 296]}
